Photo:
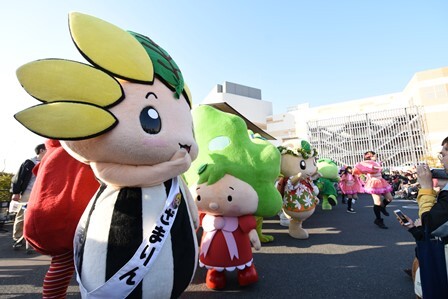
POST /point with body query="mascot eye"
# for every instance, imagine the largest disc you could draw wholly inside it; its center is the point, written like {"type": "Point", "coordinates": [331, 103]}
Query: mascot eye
{"type": "Point", "coordinates": [150, 120]}
{"type": "Point", "coordinates": [229, 198]}
{"type": "Point", "coordinates": [302, 164]}
{"type": "Point", "coordinates": [198, 198]}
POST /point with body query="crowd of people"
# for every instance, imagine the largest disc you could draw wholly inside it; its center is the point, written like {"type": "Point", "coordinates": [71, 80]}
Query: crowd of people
{"type": "Point", "coordinates": [404, 183]}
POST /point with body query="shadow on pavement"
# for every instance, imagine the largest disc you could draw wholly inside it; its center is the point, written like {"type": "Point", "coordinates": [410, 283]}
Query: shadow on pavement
{"type": "Point", "coordinates": [346, 256]}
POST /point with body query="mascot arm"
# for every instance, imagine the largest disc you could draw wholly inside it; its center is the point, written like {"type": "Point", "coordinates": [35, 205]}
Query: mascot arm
{"type": "Point", "coordinates": [368, 167]}
{"type": "Point", "coordinates": [296, 178]}
{"type": "Point", "coordinates": [121, 175]}
{"type": "Point", "coordinates": [254, 239]}
{"type": "Point", "coordinates": [191, 206]}
{"type": "Point", "coordinates": [316, 176]}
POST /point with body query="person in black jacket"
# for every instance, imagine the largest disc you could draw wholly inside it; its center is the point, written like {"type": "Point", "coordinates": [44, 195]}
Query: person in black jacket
{"type": "Point", "coordinates": [21, 185]}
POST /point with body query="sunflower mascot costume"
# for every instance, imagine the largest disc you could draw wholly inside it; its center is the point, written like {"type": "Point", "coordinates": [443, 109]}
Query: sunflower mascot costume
{"type": "Point", "coordinates": [127, 115]}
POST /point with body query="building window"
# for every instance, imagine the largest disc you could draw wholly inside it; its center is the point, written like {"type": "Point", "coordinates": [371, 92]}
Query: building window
{"type": "Point", "coordinates": [397, 136]}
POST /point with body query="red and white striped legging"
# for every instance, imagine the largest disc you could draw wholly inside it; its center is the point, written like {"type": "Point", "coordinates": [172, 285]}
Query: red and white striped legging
{"type": "Point", "coordinates": [58, 276]}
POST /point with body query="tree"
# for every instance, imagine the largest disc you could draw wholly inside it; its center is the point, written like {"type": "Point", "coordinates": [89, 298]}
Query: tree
{"type": "Point", "coordinates": [5, 185]}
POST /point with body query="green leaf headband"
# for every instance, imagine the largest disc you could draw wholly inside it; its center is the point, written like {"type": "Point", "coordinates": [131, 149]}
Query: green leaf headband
{"type": "Point", "coordinates": [305, 151]}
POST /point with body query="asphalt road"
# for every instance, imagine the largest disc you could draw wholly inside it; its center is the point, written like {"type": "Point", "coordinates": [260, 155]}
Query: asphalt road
{"type": "Point", "coordinates": [346, 256]}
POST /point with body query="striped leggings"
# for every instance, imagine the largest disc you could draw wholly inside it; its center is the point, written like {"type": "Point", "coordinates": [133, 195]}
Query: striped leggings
{"type": "Point", "coordinates": [58, 276]}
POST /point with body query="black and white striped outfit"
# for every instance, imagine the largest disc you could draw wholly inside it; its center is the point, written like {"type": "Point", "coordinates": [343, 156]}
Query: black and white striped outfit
{"type": "Point", "coordinates": [117, 221]}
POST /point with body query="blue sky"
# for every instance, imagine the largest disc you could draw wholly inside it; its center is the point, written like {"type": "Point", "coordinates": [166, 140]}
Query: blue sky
{"type": "Point", "coordinates": [320, 52]}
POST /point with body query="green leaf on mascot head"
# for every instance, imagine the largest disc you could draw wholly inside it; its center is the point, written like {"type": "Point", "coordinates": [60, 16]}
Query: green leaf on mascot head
{"type": "Point", "coordinates": [305, 145]}
{"type": "Point", "coordinates": [164, 66]}
{"type": "Point", "coordinates": [226, 148]}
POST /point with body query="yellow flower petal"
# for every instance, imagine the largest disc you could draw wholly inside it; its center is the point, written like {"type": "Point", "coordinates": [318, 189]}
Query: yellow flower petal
{"type": "Point", "coordinates": [52, 80]}
{"type": "Point", "coordinates": [66, 120]}
{"type": "Point", "coordinates": [111, 48]}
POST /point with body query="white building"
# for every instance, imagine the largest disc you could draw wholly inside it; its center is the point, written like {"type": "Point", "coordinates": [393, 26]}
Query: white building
{"type": "Point", "coordinates": [246, 100]}
{"type": "Point", "coordinates": [403, 127]}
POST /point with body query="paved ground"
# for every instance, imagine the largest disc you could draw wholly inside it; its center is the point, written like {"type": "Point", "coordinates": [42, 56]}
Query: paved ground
{"type": "Point", "coordinates": [346, 256]}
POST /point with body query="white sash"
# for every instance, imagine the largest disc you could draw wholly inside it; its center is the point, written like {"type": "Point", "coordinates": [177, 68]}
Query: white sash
{"type": "Point", "coordinates": [129, 276]}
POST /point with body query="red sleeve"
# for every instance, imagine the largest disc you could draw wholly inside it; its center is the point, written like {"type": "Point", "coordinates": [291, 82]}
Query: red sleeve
{"type": "Point", "coordinates": [247, 223]}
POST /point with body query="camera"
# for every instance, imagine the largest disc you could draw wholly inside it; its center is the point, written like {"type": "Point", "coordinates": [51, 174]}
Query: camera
{"type": "Point", "coordinates": [439, 173]}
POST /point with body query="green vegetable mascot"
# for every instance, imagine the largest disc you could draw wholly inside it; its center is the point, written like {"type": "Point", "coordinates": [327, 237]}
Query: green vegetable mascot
{"type": "Point", "coordinates": [263, 238]}
{"type": "Point", "coordinates": [329, 175]}
{"type": "Point", "coordinates": [232, 181]}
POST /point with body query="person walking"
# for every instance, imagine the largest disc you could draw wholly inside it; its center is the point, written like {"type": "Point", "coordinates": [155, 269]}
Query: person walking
{"type": "Point", "coordinates": [375, 185]}
{"type": "Point", "coordinates": [21, 184]}
{"type": "Point", "coordinates": [350, 185]}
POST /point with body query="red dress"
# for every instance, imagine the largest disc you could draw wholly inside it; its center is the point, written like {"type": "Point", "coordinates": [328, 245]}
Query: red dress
{"type": "Point", "coordinates": [62, 190]}
{"type": "Point", "coordinates": [225, 242]}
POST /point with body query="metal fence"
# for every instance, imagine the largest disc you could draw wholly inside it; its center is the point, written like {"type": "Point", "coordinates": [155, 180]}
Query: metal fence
{"type": "Point", "coordinates": [397, 135]}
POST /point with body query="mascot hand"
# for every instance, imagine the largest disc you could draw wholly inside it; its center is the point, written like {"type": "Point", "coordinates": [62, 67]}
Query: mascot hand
{"type": "Point", "coordinates": [296, 178]}
{"type": "Point", "coordinates": [254, 239]}
{"type": "Point", "coordinates": [181, 160]}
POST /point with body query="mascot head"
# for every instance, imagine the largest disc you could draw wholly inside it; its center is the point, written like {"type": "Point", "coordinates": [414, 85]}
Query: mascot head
{"type": "Point", "coordinates": [227, 149]}
{"type": "Point", "coordinates": [298, 158]}
{"type": "Point", "coordinates": [328, 169]}
{"type": "Point", "coordinates": [130, 106]}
